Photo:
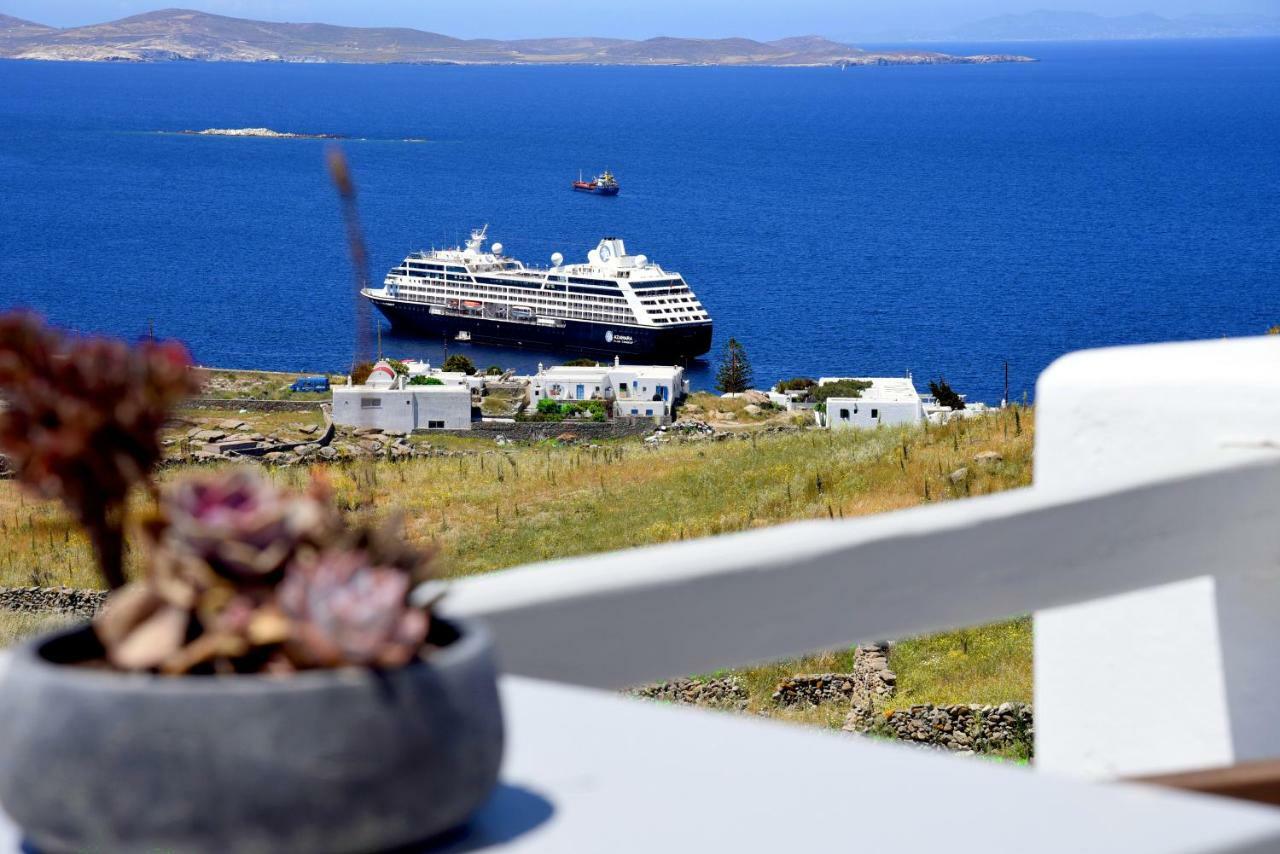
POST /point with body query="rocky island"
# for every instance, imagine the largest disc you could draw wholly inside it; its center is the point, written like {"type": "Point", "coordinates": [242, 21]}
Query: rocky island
{"type": "Point", "coordinates": [178, 34]}
{"type": "Point", "coordinates": [264, 133]}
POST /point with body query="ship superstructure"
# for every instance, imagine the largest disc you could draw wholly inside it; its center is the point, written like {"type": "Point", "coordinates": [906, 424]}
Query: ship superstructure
{"type": "Point", "coordinates": [615, 303]}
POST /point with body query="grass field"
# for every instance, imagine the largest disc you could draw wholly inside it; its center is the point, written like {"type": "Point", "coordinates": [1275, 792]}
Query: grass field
{"type": "Point", "coordinates": [500, 507]}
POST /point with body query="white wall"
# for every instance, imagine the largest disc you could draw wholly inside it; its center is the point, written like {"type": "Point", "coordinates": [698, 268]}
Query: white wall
{"type": "Point", "coordinates": [448, 404]}
{"type": "Point", "coordinates": [862, 412]}
{"type": "Point", "coordinates": [362, 406]}
{"type": "Point", "coordinates": [1181, 676]}
{"type": "Point", "coordinates": [403, 410]}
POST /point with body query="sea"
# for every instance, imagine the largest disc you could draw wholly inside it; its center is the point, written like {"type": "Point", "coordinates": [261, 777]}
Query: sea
{"type": "Point", "coordinates": [944, 220]}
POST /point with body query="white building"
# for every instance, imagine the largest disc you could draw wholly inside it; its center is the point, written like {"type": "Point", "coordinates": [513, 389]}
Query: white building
{"type": "Point", "coordinates": [636, 390]}
{"type": "Point", "coordinates": [390, 403]}
{"type": "Point", "coordinates": [888, 401]}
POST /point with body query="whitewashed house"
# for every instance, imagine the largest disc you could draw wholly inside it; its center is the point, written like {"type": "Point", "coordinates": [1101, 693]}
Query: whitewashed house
{"type": "Point", "coordinates": [888, 401]}
{"type": "Point", "coordinates": [388, 402]}
{"type": "Point", "coordinates": [635, 390]}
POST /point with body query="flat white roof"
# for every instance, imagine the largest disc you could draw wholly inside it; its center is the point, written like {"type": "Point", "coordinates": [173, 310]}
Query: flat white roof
{"type": "Point", "coordinates": [655, 371]}
{"type": "Point", "coordinates": [883, 389]}
{"type": "Point", "coordinates": [408, 389]}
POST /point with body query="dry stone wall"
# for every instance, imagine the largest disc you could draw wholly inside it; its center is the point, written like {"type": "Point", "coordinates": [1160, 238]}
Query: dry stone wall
{"type": "Point", "coordinates": [980, 729]}
{"type": "Point", "coordinates": [727, 692]}
{"type": "Point", "coordinates": [54, 600]}
{"type": "Point", "coordinates": [249, 404]}
{"type": "Point", "coordinates": [868, 690]}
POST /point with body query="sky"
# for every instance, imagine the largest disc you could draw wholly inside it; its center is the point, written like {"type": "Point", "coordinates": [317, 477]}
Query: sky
{"type": "Point", "coordinates": [761, 19]}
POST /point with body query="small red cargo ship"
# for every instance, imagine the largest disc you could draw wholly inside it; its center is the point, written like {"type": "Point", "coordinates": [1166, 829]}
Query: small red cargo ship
{"type": "Point", "coordinates": [602, 185]}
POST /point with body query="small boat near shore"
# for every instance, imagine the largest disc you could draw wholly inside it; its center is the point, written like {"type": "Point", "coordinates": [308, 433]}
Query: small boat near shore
{"type": "Point", "coordinates": [604, 184]}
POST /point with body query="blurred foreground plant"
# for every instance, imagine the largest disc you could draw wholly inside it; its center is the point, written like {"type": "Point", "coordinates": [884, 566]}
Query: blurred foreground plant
{"type": "Point", "coordinates": [245, 578]}
{"type": "Point", "coordinates": [241, 576]}
{"type": "Point", "coordinates": [81, 419]}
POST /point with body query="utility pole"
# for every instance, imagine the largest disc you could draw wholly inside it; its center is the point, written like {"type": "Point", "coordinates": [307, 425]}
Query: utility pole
{"type": "Point", "coordinates": [1005, 402]}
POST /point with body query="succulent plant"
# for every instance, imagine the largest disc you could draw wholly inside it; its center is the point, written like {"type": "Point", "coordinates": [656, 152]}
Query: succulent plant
{"type": "Point", "coordinates": [241, 526]}
{"type": "Point", "coordinates": [345, 609]}
{"type": "Point", "coordinates": [244, 577]}
{"type": "Point", "coordinates": [82, 419]}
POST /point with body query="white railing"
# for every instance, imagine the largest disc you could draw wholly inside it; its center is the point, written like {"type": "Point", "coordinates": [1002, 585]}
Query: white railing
{"type": "Point", "coordinates": [1156, 465]}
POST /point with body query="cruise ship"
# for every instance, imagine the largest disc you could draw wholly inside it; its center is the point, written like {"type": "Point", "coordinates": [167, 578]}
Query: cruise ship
{"type": "Point", "coordinates": [615, 304]}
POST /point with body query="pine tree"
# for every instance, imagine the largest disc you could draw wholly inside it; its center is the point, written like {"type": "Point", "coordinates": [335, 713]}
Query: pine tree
{"type": "Point", "coordinates": [734, 375]}
{"type": "Point", "coordinates": [945, 395]}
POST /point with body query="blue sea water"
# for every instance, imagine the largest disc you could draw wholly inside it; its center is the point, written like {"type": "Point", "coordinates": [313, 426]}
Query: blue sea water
{"type": "Point", "coordinates": [939, 219]}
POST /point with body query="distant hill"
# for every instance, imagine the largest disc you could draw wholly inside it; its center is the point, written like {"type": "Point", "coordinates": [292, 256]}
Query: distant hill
{"type": "Point", "coordinates": [11, 27]}
{"type": "Point", "coordinates": [1082, 26]}
{"type": "Point", "coordinates": [179, 34]}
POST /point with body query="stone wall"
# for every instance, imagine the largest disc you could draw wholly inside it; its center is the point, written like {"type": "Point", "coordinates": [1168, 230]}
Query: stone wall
{"type": "Point", "coordinates": [57, 600]}
{"type": "Point", "coordinates": [725, 692]}
{"type": "Point", "coordinates": [867, 691]}
{"type": "Point", "coordinates": [250, 404]}
{"type": "Point", "coordinates": [980, 729]}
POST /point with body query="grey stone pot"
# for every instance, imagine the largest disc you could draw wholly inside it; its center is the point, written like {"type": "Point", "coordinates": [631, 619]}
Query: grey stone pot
{"type": "Point", "coordinates": [349, 760]}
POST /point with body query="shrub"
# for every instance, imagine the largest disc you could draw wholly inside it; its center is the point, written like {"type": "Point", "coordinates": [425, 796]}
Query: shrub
{"type": "Point", "coordinates": [360, 372]}
{"type": "Point", "coordinates": [494, 371]}
{"type": "Point", "coordinates": [796, 384]}
{"type": "Point", "coordinates": [421, 380]}
{"type": "Point", "coordinates": [551, 410]}
{"type": "Point", "coordinates": [945, 395]}
{"type": "Point", "coordinates": [582, 363]}
{"type": "Point", "coordinates": [840, 388]}
{"type": "Point", "coordinates": [460, 364]}
{"type": "Point", "coordinates": [399, 367]}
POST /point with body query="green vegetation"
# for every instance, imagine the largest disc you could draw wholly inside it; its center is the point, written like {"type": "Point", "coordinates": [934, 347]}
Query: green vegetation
{"type": "Point", "coordinates": [493, 508]}
{"type": "Point", "coordinates": [460, 364]}
{"type": "Point", "coordinates": [494, 371]}
{"type": "Point", "coordinates": [421, 380]}
{"type": "Point", "coordinates": [401, 369]}
{"type": "Point", "coordinates": [795, 384]}
{"type": "Point", "coordinates": [551, 410]}
{"type": "Point", "coordinates": [839, 388]}
{"type": "Point", "coordinates": [734, 374]}
{"type": "Point", "coordinates": [945, 395]}
{"type": "Point", "coordinates": [582, 363]}
{"type": "Point", "coordinates": [16, 625]}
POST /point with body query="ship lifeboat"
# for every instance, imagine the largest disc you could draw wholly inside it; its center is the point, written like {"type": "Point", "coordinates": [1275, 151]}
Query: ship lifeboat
{"type": "Point", "coordinates": [475, 305]}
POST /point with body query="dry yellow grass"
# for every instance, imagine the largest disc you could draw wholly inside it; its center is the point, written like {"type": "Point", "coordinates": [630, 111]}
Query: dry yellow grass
{"type": "Point", "coordinates": [500, 507]}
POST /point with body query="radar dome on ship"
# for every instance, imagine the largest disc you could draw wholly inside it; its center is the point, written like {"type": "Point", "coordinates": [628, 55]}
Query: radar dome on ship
{"type": "Point", "coordinates": [496, 249]}
{"type": "Point", "coordinates": [641, 260]}
{"type": "Point", "coordinates": [556, 259]}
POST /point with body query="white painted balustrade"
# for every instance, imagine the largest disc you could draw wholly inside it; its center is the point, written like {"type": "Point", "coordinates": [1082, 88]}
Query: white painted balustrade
{"type": "Point", "coordinates": [1148, 548]}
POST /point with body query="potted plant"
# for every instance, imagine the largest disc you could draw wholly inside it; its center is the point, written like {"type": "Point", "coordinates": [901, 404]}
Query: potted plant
{"type": "Point", "coordinates": [269, 685]}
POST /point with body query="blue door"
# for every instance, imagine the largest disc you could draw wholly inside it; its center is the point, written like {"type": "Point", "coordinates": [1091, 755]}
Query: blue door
{"type": "Point", "coordinates": [581, 395]}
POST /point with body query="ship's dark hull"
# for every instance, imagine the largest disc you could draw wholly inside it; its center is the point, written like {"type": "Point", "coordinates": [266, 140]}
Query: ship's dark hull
{"type": "Point", "coordinates": [599, 191]}
{"type": "Point", "coordinates": [673, 344]}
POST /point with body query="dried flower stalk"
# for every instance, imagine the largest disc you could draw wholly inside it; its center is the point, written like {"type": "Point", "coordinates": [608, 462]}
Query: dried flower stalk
{"type": "Point", "coordinates": [81, 421]}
